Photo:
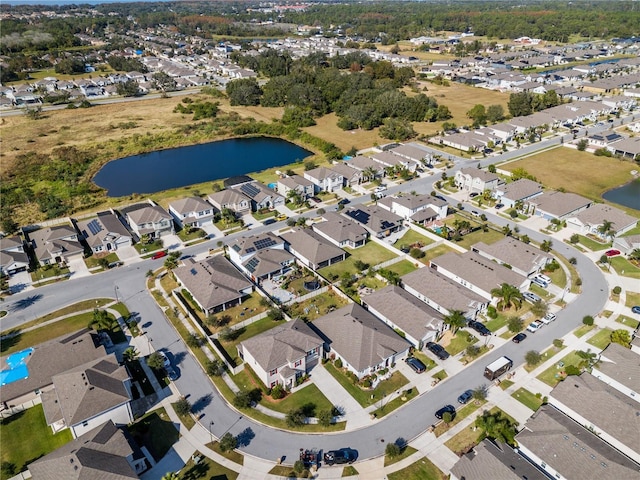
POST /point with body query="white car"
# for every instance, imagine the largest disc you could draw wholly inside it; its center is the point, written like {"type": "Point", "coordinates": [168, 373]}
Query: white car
{"type": "Point", "coordinates": [548, 318]}
{"type": "Point", "coordinates": [165, 359]}
{"type": "Point", "coordinates": [535, 326]}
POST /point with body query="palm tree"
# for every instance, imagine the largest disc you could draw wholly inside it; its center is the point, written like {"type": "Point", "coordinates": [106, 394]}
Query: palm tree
{"type": "Point", "coordinates": [370, 173]}
{"type": "Point", "coordinates": [506, 230]}
{"type": "Point", "coordinates": [101, 320]}
{"type": "Point", "coordinates": [606, 229]}
{"type": "Point", "coordinates": [295, 197]}
{"type": "Point", "coordinates": [170, 476]}
{"type": "Point", "coordinates": [635, 254]}
{"type": "Point", "coordinates": [455, 320]}
{"type": "Point", "coordinates": [546, 245]}
{"type": "Point", "coordinates": [508, 295]}
{"type": "Point", "coordinates": [130, 354]}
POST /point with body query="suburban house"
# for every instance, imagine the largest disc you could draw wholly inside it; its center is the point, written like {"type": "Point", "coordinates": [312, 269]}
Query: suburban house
{"type": "Point", "coordinates": [192, 212]}
{"type": "Point", "coordinates": [412, 154]}
{"type": "Point", "coordinates": [402, 311]}
{"type": "Point", "coordinates": [366, 165]}
{"type": "Point", "coordinates": [104, 233]}
{"type": "Point", "coordinates": [105, 453]}
{"type": "Point", "coordinates": [325, 179]}
{"type": "Point", "coordinates": [590, 220]}
{"type": "Point", "coordinates": [261, 256]}
{"type": "Point", "coordinates": [215, 284]}
{"type": "Point", "coordinates": [230, 199]}
{"type": "Point", "coordinates": [475, 180]}
{"type": "Point", "coordinates": [523, 258]}
{"type": "Point", "coordinates": [521, 190]}
{"type": "Point", "coordinates": [261, 196]}
{"type": "Point", "coordinates": [628, 147]}
{"type": "Point", "coordinates": [350, 176]}
{"type": "Point", "coordinates": [443, 294]}
{"type": "Point", "coordinates": [563, 449]}
{"type": "Point", "coordinates": [341, 231]}
{"type": "Point", "coordinates": [295, 183]}
{"type": "Point", "coordinates": [408, 205]}
{"type": "Point", "coordinates": [559, 205]}
{"type": "Point", "coordinates": [85, 397]}
{"type": "Point", "coordinates": [379, 221]}
{"type": "Point", "coordinates": [56, 244]}
{"type": "Point", "coordinates": [389, 160]}
{"type": "Point", "coordinates": [313, 250]}
{"type": "Point", "coordinates": [149, 219]}
{"type": "Point", "coordinates": [597, 406]}
{"type": "Point", "coordinates": [243, 248]}
{"type": "Point", "coordinates": [618, 367]}
{"type": "Point", "coordinates": [477, 273]}
{"type": "Point", "coordinates": [627, 244]}
{"type": "Point", "coordinates": [362, 341]}
{"type": "Point", "coordinates": [13, 258]}
{"type": "Point", "coordinates": [282, 354]}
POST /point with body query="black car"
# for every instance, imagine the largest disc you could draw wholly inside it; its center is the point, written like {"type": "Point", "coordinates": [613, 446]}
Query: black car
{"type": "Point", "coordinates": [416, 364]}
{"type": "Point", "coordinates": [438, 350]}
{"type": "Point", "coordinates": [465, 396]}
{"type": "Point", "coordinates": [344, 201]}
{"type": "Point", "coordinates": [519, 337]}
{"type": "Point", "coordinates": [344, 455]}
{"type": "Point", "coordinates": [447, 408]}
{"type": "Point", "coordinates": [269, 221]}
{"type": "Point", "coordinates": [480, 328]}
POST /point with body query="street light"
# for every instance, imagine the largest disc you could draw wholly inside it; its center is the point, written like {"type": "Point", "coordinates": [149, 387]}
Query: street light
{"type": "Point", "coordinates": [115, 289]}
{"type": "Point", "coordinates": [211, 423]}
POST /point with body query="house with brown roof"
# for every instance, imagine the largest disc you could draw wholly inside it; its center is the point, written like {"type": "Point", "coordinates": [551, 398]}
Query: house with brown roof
{"type": "Point", "coordinates": [628, 148]}
{"type": "Point", "coordinates": [87, 396]}
{"type": "Point", "coordinates": [558, 205]}
{"type": "Point", "coordinates": [313, 250]}
{"type": "Point", "coordinates": [389, 160]}
{"type": "Point", "coordinates": [402, 311]}
{"type": "Point", "coordinates": [361, 340]}
{"type": "Point", "coordinates": [350, 176]}
{"type": "Point", "coordinates": [379, 221]}
{"type": "Point", "coordinates": [523, 258]}
{"type": "Point", "coordinates": [56, 244]}
{"type": "Point", "coordinates": [149, 219]}
{"type": "Point", "coordinates": [260, 196]}
{"type": "Point", "coordinates": [473, 179]}
{"type": "Point", "coordinates": [282, 354]}
{"type": "Point", "coordinates": [365, 164]}
{"type": "Point", "coordinates": [324, 179]}
{"type": "Point", "coordinates": [104, 233]}
{"type": "Point", "coordinates": [590, 220]}
{"type": "Point", "coordinates": [341, 231]}
{"type": "Point", "coordinates": [619, 367]}
{"type": "Point", "coordinates": [230, 199]}
{"type": "Point", "coordinates": [13, 258]}
{"type": "Point", "coordinates": [191, 211]}
{"type": "Point", "coordinates": [261, 256]}
{"type": "Point", "coordinates": [521, 190]}
{"type": "Point", "coordinates": [215, 283]}
{"type": "Point", "coordinates": [408, 205]}
{"type": "Point", "coordinates": [295, 183]}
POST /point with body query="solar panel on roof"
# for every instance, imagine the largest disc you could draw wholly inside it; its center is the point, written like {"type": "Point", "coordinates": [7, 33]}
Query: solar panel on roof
{"type": "Point", "coordinates": [250, 189]}
{"type": "Point", "coordinates": [193, 271]}
{"type": "Point", "coordinates": [250, 249]}
{"type": "Point", "coordinates": [252, 264]}
{"type": "Point", "coordinates": [94, 226]}
{"type": "Point", "coordinates": [264, 243]}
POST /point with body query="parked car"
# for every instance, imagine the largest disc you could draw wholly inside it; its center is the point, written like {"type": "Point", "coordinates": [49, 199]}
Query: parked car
{"type": "Point", "coordinates": [171, 373]}
{"type": "Point", "coordinates": [499, 206]}
{"type": "Point", "coordinates": [437, 350]}
{"type": "Point", "coordinates": [343, 455]}
{"type": "Point", "coordinates": [636, 309]}
{"type": "Point", "coordinates": [165, 360]}
{"type": "Point", "coordinates": [447, 408]}
{"type": "Point", "coordinates": [548, 318]}
{"type": "Point", "coordinates": [480, 328]}
{"type": "Point", "coordinates": [535, 326]}
{"type": "Point", "coordinates": [116, 264]}
{"type": "Point", "coordinates": [315, 199]}
{"type": "Point", "coordinates": [475, 213]}
{"type": "Point", "coordinates": [540, 282]}
{"type": "Point", "coordinates": [519, 337]}
{"type": "Point", "coordinates": [465, 396]}
{"type": "Point", "coordinates": [344, 201]}
{"type": "Point", "coordinates": [544, 278]}
{"type": "Point", "coordinates": [416, 364]}
{"type": "Point", "coordinates": [612, 253]}
{"type": "Point", "coordinates": [281, 217]}
{"type": "Point", "coordinates": [531, 297]}
{"type": "Point", "coordinates": [473, 194]}
{"type": "Point", "coordinates": [160, 254]}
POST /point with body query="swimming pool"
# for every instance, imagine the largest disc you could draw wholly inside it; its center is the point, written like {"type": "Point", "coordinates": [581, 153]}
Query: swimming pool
{"type": "Point", "coordinates": [17, 367]}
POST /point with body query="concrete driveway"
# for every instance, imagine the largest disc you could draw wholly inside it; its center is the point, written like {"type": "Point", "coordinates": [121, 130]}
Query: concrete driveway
{"type": "Point", "coordinates": [19, 282]}
{"type": "Point", "coordinates": [78, 268]}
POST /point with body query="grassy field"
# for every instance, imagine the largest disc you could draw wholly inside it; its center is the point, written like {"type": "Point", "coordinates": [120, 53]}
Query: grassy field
{"type": "Point", "coordinates": [527, 398]}
{"type": "Point", "coordinates": [553, 375]}
{"type": "Point", "coordinates": [402, 267]}
{"type": "Point", "coordinates": [629, 322]}
{"type": "Point", "coordinates": [27, 437]}
{"type": "Point", "coordinates": [206, 469]}
{"type": "Point", "coordinates": [488, 237]}
{"type": "Point", "coordinates": [592, 245]}
{"type": "Point", "coordinates": [372, 253]}
{"type": "Point", "coordinates": [387, 408]}
{"type": "Point", "coordinates": [633, 298]}
{"type": "Point", "coordinates": [624, 267]}
{"type": "Point", "coordinates": [464, 440]}
{"type": "Point", "coordinates": [460, 342]}
{"type": "Point", "coordinates": [583, 330]}
{"type": "Point", "coordinates": [412, 237]}
{"type": "Point", "coordinates": [317, 306]}
{"type": "Point", "coordinates": [601, 339]}
{"type": "Point", "coordinates": [326, 128]}
{"type": "Point", "coordinates": [436, 252]}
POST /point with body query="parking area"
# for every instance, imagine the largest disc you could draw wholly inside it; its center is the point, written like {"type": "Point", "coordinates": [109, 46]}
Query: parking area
{"type": "Point", "coordinates": [272, 287]}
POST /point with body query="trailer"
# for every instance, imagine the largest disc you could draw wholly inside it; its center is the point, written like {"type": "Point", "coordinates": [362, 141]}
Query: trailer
{"type": "Point", "coordinates": [309, 457]}
{"type": "Point", "coordinates": [497, 368]}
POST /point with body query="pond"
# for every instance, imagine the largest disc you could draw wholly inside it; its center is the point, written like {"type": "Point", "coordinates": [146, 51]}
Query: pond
{"type": "Point", "coordinates": [627, 195]}
{"type": "Point", "coordinates": [179, 167]}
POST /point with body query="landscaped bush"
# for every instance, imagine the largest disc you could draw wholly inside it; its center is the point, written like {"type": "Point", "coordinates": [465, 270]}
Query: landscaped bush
{"type": "Point", "coordinates": [617, 290]}
{"type": "Point", "coordinates": [492, 312]}
{"type": "Point", "coordinates": [338, 363]}
{"type": "Point", "coordinates": [366, 382]}
{"type": "Point", "coordinates": [588, 320]}
{"type": "Point", "coordinates": [277, 392]}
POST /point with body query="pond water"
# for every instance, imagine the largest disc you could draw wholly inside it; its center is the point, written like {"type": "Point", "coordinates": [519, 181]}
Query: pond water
{"type": "Point", "coordinates": [179, 167]}
{"type": "Point", "coordinates": [627, 195]}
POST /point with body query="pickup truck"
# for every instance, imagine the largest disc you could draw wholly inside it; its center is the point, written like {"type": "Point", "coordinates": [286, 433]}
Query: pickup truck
{"type": "Point", "coordinates": [535, 326]}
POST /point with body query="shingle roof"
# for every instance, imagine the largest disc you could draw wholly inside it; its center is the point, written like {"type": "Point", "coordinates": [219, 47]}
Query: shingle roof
{"type": "Point", "coordinates": [598, 212]}
{"type": "Point", "coordinates": [311, 246]}
{"type": "Point", "coordinates": [340, 228]}
{"type": "Point", "coordinates": [523, 256]}
{"type": "Point", "coordinates": [295, 181]}
{"type": "Point", "coordinates": [362, 163]}
{"type": "Point", "coordinates": [106, 224]}
{"type": "Point", "coordinates": [376, 218]}
{"type": "Point", "coordinates": [359, 336]}
{"type": "Point", "coordinates": [483, 175]}
{"type": "Point", "coordinates": [559, 203]}
{"type": "Point", "coordinates": [227, 197]}
{"type": "Point", "coordinates": [411, 152]}
{"type": "Point", "coordinates": [621, 364]}
{"type": "Point", "coordinates": [190, 204]}
{"type": "Point", "coordinates": [254, 243]}
{"type": "Point", "coordinates": [414, 202]}
{"type": "Point", "coordinates": [321, 173]}
{"type": "Point", "coordinates": [389, 159]}
{"type": "Point", "coordinates": [345, 170]}
{"type": "Point", "coordinates": [148, 214]}
{"type": "Point", "coordinates": [50, 242]}
{"type": "Point", "coordinates": [268, 261]}
{"type": "Point", "coordinates": [7, 243]}
{"type": "Point", "coordinates": [521, 189]}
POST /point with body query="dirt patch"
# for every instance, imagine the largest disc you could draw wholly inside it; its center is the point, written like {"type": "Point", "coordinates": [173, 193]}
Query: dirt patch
{"type": "Point", "coordinates": [446, 338]}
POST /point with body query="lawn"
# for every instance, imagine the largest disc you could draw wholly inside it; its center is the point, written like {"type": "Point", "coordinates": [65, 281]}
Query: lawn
{"type": "Point", "coordinates": [43, 273]}
{"type": "Point", "coordinates": [461, 414]}
{"type": "Point", "coordinates": [423, 469]}
{"type": "Point", "coordinates": [575, 288]}
{"type": "Point", "coordinates": [205, 469]}
{"type": "Point", "coordinates": [249, 331]}
{"type": "Point", "coordinates": [624, 267]}
{"type": "Point", "coordinates": [497, 323]}
{"type": "Point", "coordinates": [629, 322]}
{"type": "Point", "coordinates": [460, 342]}
{"type": "Point", "coordinates": [558, 277]}
{"type": "Point", "coordinates": [250, 307]}
{"type": "Point", "coordinates": [527, 398]}
{"type": "Point", "coordinates": [407, 451]}
{"type": "Point", "coordinates": [93, 260]}
{"type": "Point", "coordinates": [553, 375]}
{"type": "Point", "coordinates": [232, 455]}
{"type": "Point", "coordinates": [633, 298]}
{"type": "Point", "coordinates": [326, 127]}
{"type": "Point", "coordinates": [317, 306]}
{"type": "Point", "coordinates": [440, 375]}
{"type": "Point", "coordinates": [464, 440]}
{"type": "Point", "coordinates": [583, 330]}
{"type": "Point", "coordinates": [187, 420]}
{"type": "Point", "coordinates": [27, 437]}
{"type": "Point", "coordinates": [192, 234]}
{"type": "Point", "coordinates": [434, 252]}
{"type": "Point", "coordinates": [148, 247]}
{"type": "Point", "coordinates": [412, 237]}
{"type": "Point", "coordinates": [601, 339]}
{"type": "Point", "coordinates": [372, 253]}
{"type": "Point", "coordinates": [541, 292]}
{"type": "Point", "coordinates": [402, 267]}
{"type": "Point", "coordinates": [488, 237]}
{"type": "Point", "coordinates": [592, 244]}
{"type": "Point", "coordinates": [155, 431]}
{"type": "Point", "coordinates": [387, 408]}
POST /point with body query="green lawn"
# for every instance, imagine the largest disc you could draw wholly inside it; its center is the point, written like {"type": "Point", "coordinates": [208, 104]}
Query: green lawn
{"type": "Point", "coordinates": [504, 384]}
{"type": "Point", "coordinates": [601, 339]}
{"type": "Point", "coordinates": [317, 306]}
{"type": "Point", "coordinates": [592, 244]}
{"type": "Point", "coordinates": [93, 260]}
{"type": "Point", "coordinates": [633, 298]}
{"type": "Point", "coordinates": [48, 272]}
{"type": "Point", "coordinates": [440, 375]}
{"type": "Point", "coordinates": [461, 414]}
{"type": "Point", "coordinates": [497, 323]}
{"type": "Point", "coordinates": [264, 215]}
{"type": "Point", "coordinates": [575, 288]}
{"type": "Point", "coordinates": [434, 252]}
{"type": "Point", "coordinates": [187, 420]}
{"type": "Point", "coordinates": [155, 431]}
{"type": "Point", "coordinates": [629, 322]}
{"type": "Point", "coordinates": [541, 292]}
{"type": "Point", "coordinates": [527, 398]}
{"type": "Point", "coordinates": [558, 277]}
{"type": "Point", "coordinates": [232, 455]}
{"type": "Point", "coordinates": [27, 437]}
{"type": "Point", "coordinates": [406, 452]}
{"type": "Point", "coordinates": [464, 440]}
{"type": "Point", "coordinates": [249, 307]}
{"type": "Point", "coordinates": [412, 238]}
{"type": "Point", "coordinates": [387, 408]}
{"type": "Point", "coordinates": [148, 247]}
{"type": "Point", "coordinates": [553, 375]}
{"type": "Point", "coordinates": [583, 330]}
{"type": "Point", "coordinates": [372, 253]}
{"type": "Point", "coordinates": [402, 267]}
{"type": "Point", "coordinates": [460, 342]}
{"type": "Point", "coordinates": [488, 237]}
{"type": "Point", "coordinates": [194, 234]}
{"type": "Point", "coordinates": [625, 268]}
{"type": "Point", "coordinates": [206, 469]}
{"type": "Point", "coordinates": [249, 331]}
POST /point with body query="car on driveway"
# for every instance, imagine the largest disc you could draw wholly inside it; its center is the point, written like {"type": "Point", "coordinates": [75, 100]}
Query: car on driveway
{"type": "Point", "coordinates": [480, 328]}
{"type": "Point", "coordinates": [499, 206]}
{"type": "Point", "coordinates": [465, 396]}
{"type": "Point", "coordinates": [447, 408]}
{"type": "Point", "coordinates": [519, 337]}
{"type": "Point", "coordinates": [416, 364]}
{"type": "Point", "coordinates": [636, 309]}
{"type": "Point", "coordinates": [531, 297]}
{"type": "Point", "coordinates": [437, 350]}
{"type": "Point", "coordinates": [548, 318]}
{"type": "Point", "coordinates": [343, 455]}
{"type": "Point", "coordinates": [540, 282]}
{"type": "Point", "coordinates": [612, 253]}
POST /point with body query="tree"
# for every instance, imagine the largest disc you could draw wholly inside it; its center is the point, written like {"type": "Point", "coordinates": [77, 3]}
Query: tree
{"type": "Point", "coordinates": [539, 308]}
{"type": "Point", "coordinates": [33, 113]}
{"type": "Point", "coordinates": [8, 469]}
{"type": "Point", "coordinates": [587, 320]}
{"type": "Point", "coordinates": [496, 427]}
{"type": "Point", "coordinates": [215, 367]}
{"type": "Point", "coordinates": [520, 104]}
{"type": "Point", "coordinates": [392, 450]}
{"type": "Point", "coordinates": [455, 320]}
{"type": "Point", "coordinates": [621, 337]}
{"type": "Point", "coordinates": [295, 417]}
{"type": "Point", "coordinates": [163, 82]}
{"type": "Point", "coordinates": [495, 113]}
{"type": "Point", "coordinates": [130, 88]}
{"type": "Point", "coordinates": [447, 417]}
{"type": "Point", "coordinates": [101, 320]}
{"type": "Point", "coordinates": [605, 229]}
{"type": "Point", "coordinates": [325, 418]}
{"type": "Point", "coordinates": [243, 399]}
{"type": "Point", "coordinates": [170, 476]}
{"type": "Point", "coordinates": [546, 245]}
{"type": "Point", "coordinates": [582, 145]}
{"type": "Point", "coordinates": [228, 442]}
{"type": "Point", "coordinates": [515, 324]}
{"type": "Point", "coordinates": [506, 230]}
{"type": "Point", "coordinates": [478, 114]}
{"type": "Point", "coordinates": [182, 407]}
{"type": "Point", "coordinates": [130, 354]}
{"type": "Point", "coordinates": [533, 358]}
{"type": "Point", "coordinates": [480, 393]}
{"type": "Point", "coordinates": [575, 238]}
{"type": "Point", "coordinates": [194, 341]}
{"type": "Point", "coordinates": [397, 129]}
{"type": "Point", "coordinates": [155, 361]}
{"type": "Point", "coordinates": [508, 295]}
{"type": "Point", "coordinates": [244, 91]}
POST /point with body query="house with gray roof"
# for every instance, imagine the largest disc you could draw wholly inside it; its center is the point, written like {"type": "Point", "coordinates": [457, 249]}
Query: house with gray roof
{"type": "Point", "coordinates": [245, 247]}
{"type": "Point", "coordinates": [295, 183]}
{"type": "Point", "coordinates": [56, 244]}
{"type": "Point", "coordinates": [590, 220]}
{"type": "Point", "coordinates": [473, 179]}
{"type": "Point", "coordinates": [312, 249]}
{"type": "Point", "coordinates": [523, 258]}
{"type": "Point", "coordinates": [215, 283]}
{"type": "Point", "coordinates": [379, 221]}
{"type": "Point", "coordinates": [324, 179]}
{"type": "Point", "coordinates": [364, 164]}
{"type": "Point", "coordinates": [13, 258]}
{"type": "Point", "coordinates": [619, 367]}
{"type": "Point", "coordinates": [565, 450]}
{"type": "Point", "coordinates": [230, 199]}
{"type": "Point", "coordinates": [149, 219]}
{"type": "Point", "coordinates": [558, 205]}
{"type": "Point", "coordinates": [350, 176]}
{"type": "Point", "coordinates": [341, 231]}
{"type": "Point", "coordinates": [192, 212]}
{"type": "Point", "coordinates": [402, 311]}
{"type": "Point", "coordinates": [477, 273]}
{"type": "Point", "coordinates": [282, 354]}
{"type": "Point", "coordinates": [612, 415]}
{"type": "Point", "coordinates": [361, 340]}
{"type": "Point", "coordinates": [260, 196]}
{"type": "Point", "coordinates": [105, 453]}
{"type": "Point", "coordinates": [627, 244]}
{"type": "Point", "coordinates": [408, 205]}
{"type": "Point", "coordinates": [87, 396]}
{"type": "Point", "coordinates": [268, 263]}
{"type": "Point", "coordinates": [521, 190]}
{"type": "Point", "coordinates": [628, 148]}
{"type": "Point", "coordinates": [104, 233]}
{"type": "Point", "coordinates": [413, 154]}
{"type": "Point", "coordinates": [389, 160]}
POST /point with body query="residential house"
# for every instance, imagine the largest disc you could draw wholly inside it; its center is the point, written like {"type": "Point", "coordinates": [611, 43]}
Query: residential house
{"type": "Point", "coordinates": [362, 341]}
{"type": "Point", "coordinates": [619, 367]}
{"type": "Point", "coordinates": [341, 231]}
{"type": "Point", "coordinates": [475, 180]}
{"type": "Point", "coordinates": [325, 179]}
{"type": "Point", "coordinates": [366, 165]}
{"type": "Point", "coordinates": [604, 139]}
{"type": "Point", "coordinates": [564, 450]}
{"type": "Point", "coordinates": [477, 273]}
{"type": "Point", "coordinates": [518, 192]}
{"type": "Point", "coordinates": [350, 176]}
{"type": "Point", "coordinates": [56, 244]}
{"type": "Point", "coordinates": [389, 160]}
{"type": "Point", "coordinates": [282, 354]}
{"type": "Point", "coordinates": [104, 233]}
{"type": "Point", "coordinates": [261, 196]}
{"type": "Point", "coordinates": [85, 397]}
{"type": "Point", "coordinates": [559, 205]}
{"type": "Point", "coordinates": [192, 212]}
{"type": "Point", "coordinates": [230, 199]}
{"type": "Point", "coordinates": [627, 244]}
{"type": "Point", "coordinates": [443, 294]}
{"type": "Point", "coordinates": [313, 250]}
{"type": "Point", "coordinates": [523, 258]}
{"type": "Point", "coordinates": [408, 205]}
{"type": "Point", "coordinates": [295, 183]}
{"type": "Point", "coordinates": [628, 148]}
{"type": "Point", "coordinates": [215, 283]}
{"type": "Point", "coordinates": [261, 256]}
{"type": "Point", "coordinates": [403, 312]}
{"type": "Point", "coordinates": [465, 141]}
{"type": "Point", "coordinates": [377, 220]}
{"type": "Point", "coordinates": [590, 221]}
{"type": "Point", "coordinates": [13, 258]}
{"type": "Point", "coordinates": [412, 154]}
{"type": "Point", "coordinates": [149, 219]}
{"type": "Point", "coordinates": [106, 452]}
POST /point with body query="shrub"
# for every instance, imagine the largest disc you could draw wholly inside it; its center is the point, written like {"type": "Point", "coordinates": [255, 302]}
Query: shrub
{"type": "Point", "coordinates": [587, 320]}
{"type": "Point", "coordinates": [215, 368]}
{"type": "Point", "coordinates": [617, 290]}
{"type": "Point", "coordinates": [416, 253]}
{"type": "Point", "coordinates": [572, 370]}
{"type": "Point", "coordinates": [366, 383]}
{"type": "Point", "coordinates": [183, 407]}
{"type": "Point", "coordinates": [472, 351]}
{"type": "Point", "coordinates": [228, 442]}
{"type": "Point", "coordinates": [492, 312]}
{"type": "Point", "coordinates": [533, 358]}
{"type": "Point", "coordinates": [558, 343]}
{"type": "Point", "coordinates": [194, 341]}
{"type": "Point", "coordinates": [277, 392]}
{"type": "Point", "coordinates": [296, 417]}
{"type": "Point", "coordinates": [325, 418]}
{"type": "Point", "coordinates": [392, 450]}
{"type": "Point", "coordinates": [338, 363]}
{"type": "Point", "coordinates": [515, 324]}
